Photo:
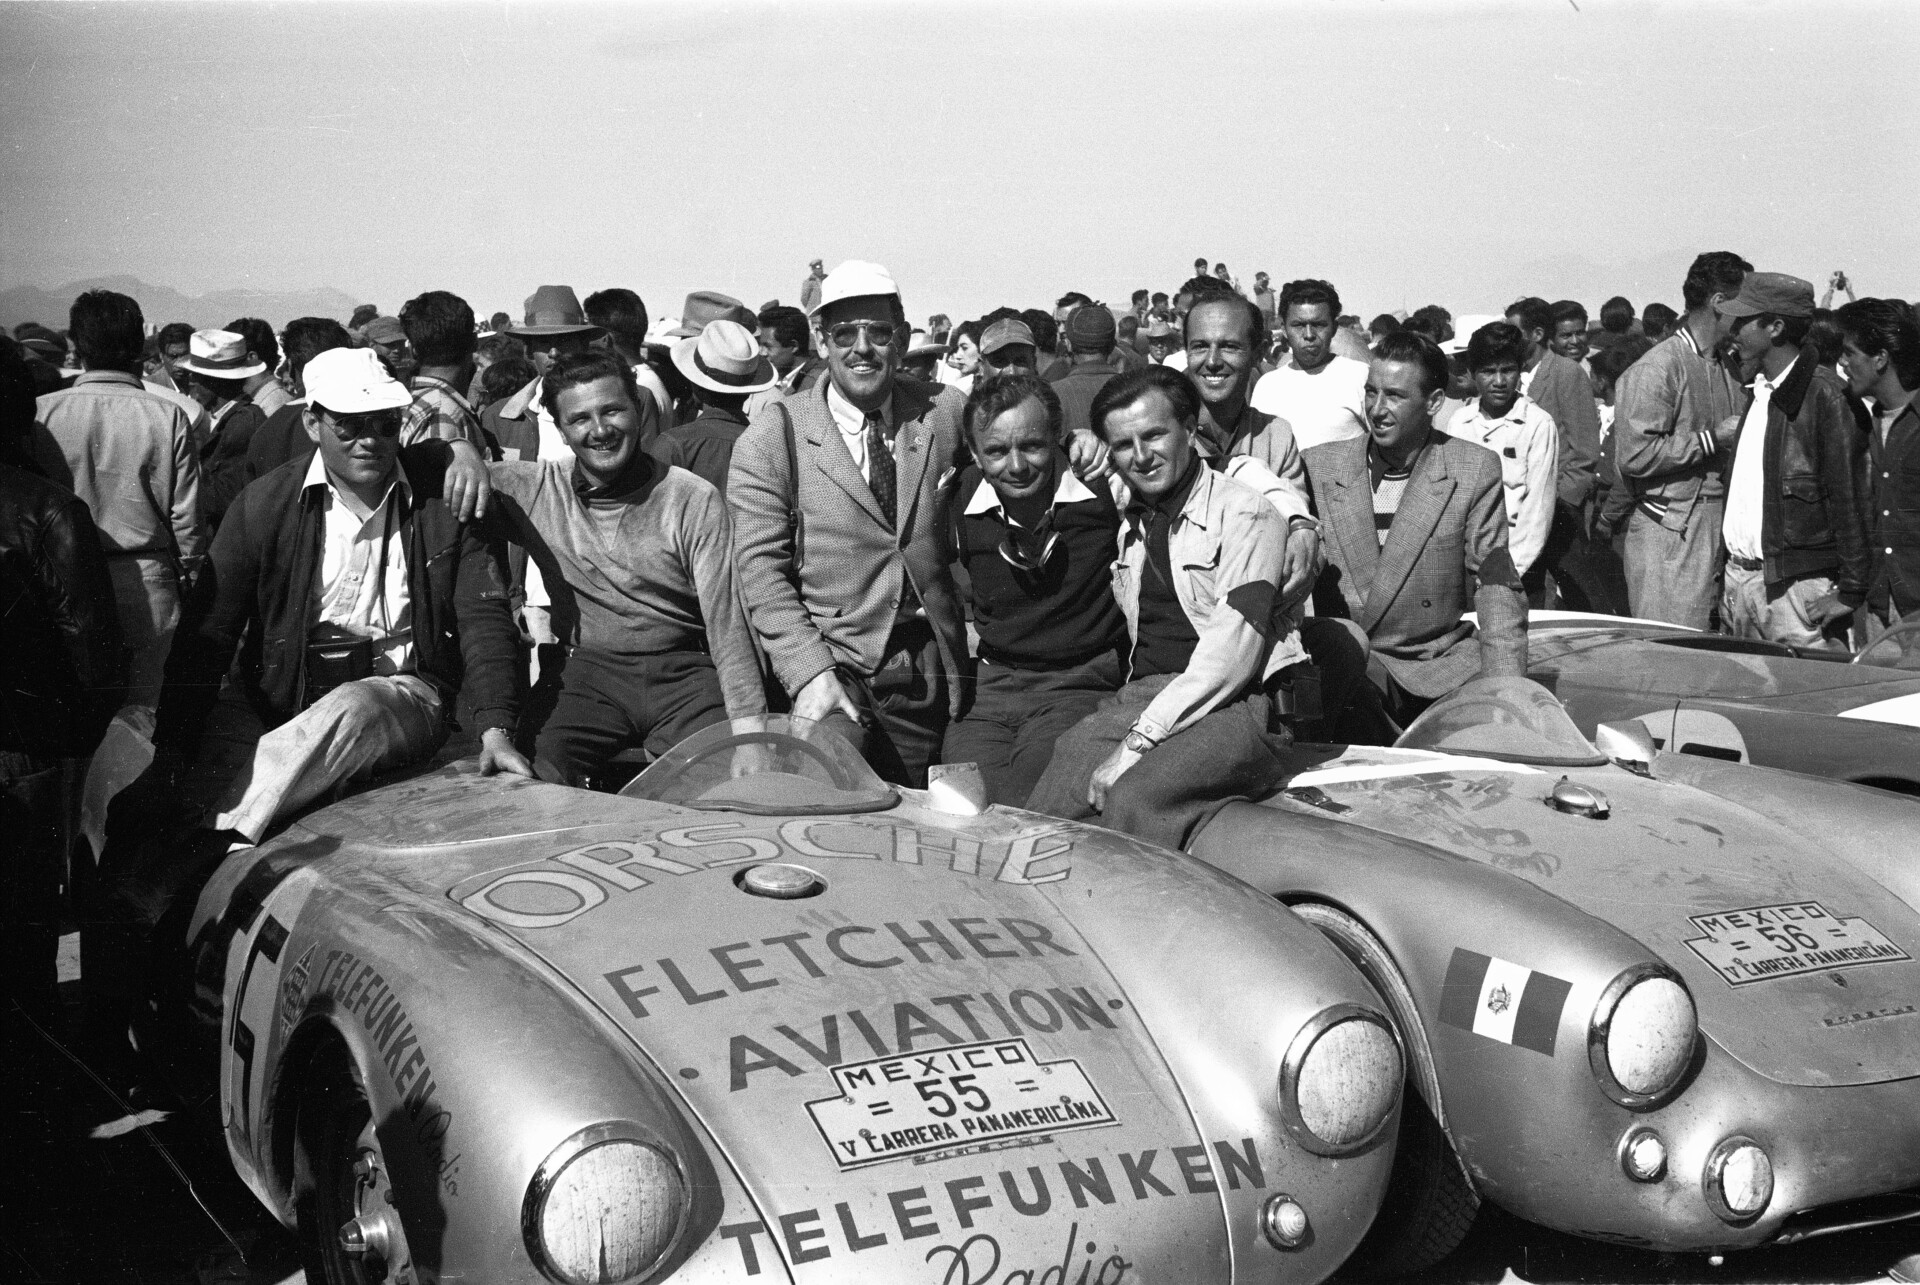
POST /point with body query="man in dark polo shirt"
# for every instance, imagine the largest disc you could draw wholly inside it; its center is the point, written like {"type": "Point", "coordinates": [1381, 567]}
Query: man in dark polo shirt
{"type": "Point", "coordinates": [1036, 544]}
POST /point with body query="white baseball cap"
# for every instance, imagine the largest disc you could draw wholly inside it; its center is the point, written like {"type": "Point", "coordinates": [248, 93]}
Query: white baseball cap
{"type": "Point", "coordinates": [351, 381]}
{"type": "Point", "coordinates": [855, 279]}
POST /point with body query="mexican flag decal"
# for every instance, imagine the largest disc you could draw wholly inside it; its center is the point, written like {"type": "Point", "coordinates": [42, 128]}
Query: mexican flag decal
{"type": "Point", "coordinates": [1503, 1001]}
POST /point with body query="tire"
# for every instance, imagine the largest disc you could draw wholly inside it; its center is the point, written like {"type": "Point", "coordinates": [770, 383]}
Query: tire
{"type": "Point", "coordinates": [1430, 1203]}
{"type": "Point", "coordinates": [341, 1173]}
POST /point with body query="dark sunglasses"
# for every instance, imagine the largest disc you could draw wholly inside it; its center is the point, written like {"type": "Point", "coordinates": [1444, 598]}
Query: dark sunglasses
{"type": "Point", "coordinates": [350, 428]}
{"type": "Point", "coordinates": [880, 334]}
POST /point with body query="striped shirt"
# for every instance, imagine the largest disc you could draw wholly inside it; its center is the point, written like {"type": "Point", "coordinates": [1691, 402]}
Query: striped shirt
{"type": "Point", "coordinates": [1389, 485]}
{"type": "Point", "coordinates": [440, 411]}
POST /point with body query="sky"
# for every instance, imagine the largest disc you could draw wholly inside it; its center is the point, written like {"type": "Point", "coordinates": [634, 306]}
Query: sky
{"type": "Point", "coordinates": [1411, 151]}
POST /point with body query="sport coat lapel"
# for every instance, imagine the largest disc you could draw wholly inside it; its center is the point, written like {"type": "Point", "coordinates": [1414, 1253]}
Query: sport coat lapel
{"type": "Point", "coordinates": [830, 453]}
{"type": "Point", "coordinates": [1421, 507]}
{"type": "Point", "coordinates": [1349, 499]}
{"type": "Point", "coordinates": [911, 452]}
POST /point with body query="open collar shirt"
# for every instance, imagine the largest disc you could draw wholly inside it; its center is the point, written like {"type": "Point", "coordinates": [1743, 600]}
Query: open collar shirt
{"type": "Point", "coordinates": [439, 410]}
{"type": "Point", "coordinates": [363, 569]}
{"type": "Point", "coordinates": [1528, 444]}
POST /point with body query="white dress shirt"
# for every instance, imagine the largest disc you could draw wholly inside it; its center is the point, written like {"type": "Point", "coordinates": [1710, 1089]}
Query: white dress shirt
{"type": "Point", "coordinates": [1746, 488]}
{"type": "Point", "coordinates": [852, 423]}
{"type": "Point", "coordinates": [1528, 445]}
{"type": "Point", "coordinates": [359, 592]}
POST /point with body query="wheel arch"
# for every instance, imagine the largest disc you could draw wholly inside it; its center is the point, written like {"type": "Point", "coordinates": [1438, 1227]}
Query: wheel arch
{"type": "Point", "coordinates": [317, 1048]}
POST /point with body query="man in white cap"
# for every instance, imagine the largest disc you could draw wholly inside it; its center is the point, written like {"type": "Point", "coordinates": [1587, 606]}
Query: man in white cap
{"type": "Point", "coordinates": [638, 556]}
{"type": "Point", "coordinates": [217, 367]}
{"type": "Point", "coordinates": [725, 365]}
{"type": "Point", "coordinates": [833, 498]}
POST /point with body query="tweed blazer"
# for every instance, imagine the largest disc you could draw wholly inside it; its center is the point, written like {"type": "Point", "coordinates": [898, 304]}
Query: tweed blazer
{"type": "Point", "coordinates": [1446, 553]}
{"type": "Point", "coordinates": [836, 603]}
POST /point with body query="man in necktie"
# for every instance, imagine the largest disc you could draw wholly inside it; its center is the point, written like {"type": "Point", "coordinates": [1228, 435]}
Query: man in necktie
{"type": "Point", "coordinates": [832, 490]}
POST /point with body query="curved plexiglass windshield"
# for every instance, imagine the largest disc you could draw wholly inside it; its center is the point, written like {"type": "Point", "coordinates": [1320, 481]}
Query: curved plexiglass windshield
{"type": "Point", "coordinates": [1898, 648]}
{"type": "Point", "coordinates": [771, 765]}
{"type": "Point", "coordinates": [1503, 718]}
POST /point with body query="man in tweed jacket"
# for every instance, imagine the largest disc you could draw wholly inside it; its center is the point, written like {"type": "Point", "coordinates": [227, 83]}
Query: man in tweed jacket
{"type": "Point", "coordinates": [833, 498]}
{"type": "Point", "coordinates": [1414, 526]}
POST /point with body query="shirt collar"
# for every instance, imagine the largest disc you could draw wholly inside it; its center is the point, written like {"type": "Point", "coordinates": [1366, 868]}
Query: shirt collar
{"type": "Point", "coordinates": [850, 419]}
{"type": "Point", "coordinates": [107, 377]}
{"type": "Point", "coordinates": [1174, 501]}
{"type": "Point", "coordinates": [1067, 489]}
{"type": "Point", "coordinates": [638, 476]}
{"type": "Point", "coordinates": [440, 385]}
{"type": "Point", "coordinates": [516, 407]}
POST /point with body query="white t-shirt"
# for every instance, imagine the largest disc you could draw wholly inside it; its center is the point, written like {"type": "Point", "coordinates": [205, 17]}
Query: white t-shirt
{"type": "Point", "coordinates": [1327, 406]}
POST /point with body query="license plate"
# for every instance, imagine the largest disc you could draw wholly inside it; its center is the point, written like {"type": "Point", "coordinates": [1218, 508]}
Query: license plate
{"type": "Point", "coordinates": [1760, 943]}
{"type": "Point", "coordinates": [964, 1095]}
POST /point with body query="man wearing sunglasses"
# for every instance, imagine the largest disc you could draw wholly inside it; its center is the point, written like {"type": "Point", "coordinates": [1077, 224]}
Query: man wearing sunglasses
{"type": "Point", "coordinates": [1037, 544]}
{"type": "Point", "coordinates": [833, 498]}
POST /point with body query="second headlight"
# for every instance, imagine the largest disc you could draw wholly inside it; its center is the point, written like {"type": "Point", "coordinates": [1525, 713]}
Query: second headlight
{"type": "Point", "coordinates": [1341, 1080]}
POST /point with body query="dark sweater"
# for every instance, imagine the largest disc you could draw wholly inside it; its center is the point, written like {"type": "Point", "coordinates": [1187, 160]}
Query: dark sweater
{"type": "Point", "coordinates": [1166, 638]}
{"type": "Point", "coordinates": [1060, 616]}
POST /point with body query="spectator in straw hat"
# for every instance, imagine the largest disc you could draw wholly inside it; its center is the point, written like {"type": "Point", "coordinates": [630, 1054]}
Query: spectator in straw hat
{"type": "Point", "coordinates": [217, 368]}
{"type": "Point", "coordinates": [725, 366]}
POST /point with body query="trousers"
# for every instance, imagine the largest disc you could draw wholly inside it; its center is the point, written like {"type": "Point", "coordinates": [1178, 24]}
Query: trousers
{"type": "Point", "coordinates": [903, 706]}
{"type": "Point", "coordinates": [1016, 717]}
{"type": "Point", "coordinates": [1177, 786]}
{"type": "Point", "coordinates": [1670, 574]}
{"type": "Point", "coordinates": [608, 704]}
{"type": "Point", "coordinates": [1752, 608]}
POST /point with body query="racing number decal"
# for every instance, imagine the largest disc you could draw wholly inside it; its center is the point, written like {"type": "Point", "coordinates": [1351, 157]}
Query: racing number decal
{"type": "Point", "coordinates": [256, 958]}
{"type": "Point", "coordinates": [269, 941]}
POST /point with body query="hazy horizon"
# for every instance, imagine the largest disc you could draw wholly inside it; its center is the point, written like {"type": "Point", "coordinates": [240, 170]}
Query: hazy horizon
{"type": "Point", "coordinates": [1462, 153]}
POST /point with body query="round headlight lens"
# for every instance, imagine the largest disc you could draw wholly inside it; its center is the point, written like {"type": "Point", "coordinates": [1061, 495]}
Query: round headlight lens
{"type": "Point", "coordinates": [1341, 1080]}
{"type": "Point", "coordinates": [1739, 1179]}
{"type": "Point", "coordinates": [604, 1209]}
{"type": "Point", "coordinates": [1643, 1035]}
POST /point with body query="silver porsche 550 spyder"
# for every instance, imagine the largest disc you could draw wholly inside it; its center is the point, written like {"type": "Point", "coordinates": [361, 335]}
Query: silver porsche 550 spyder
{"type": "Point", "coordinates": [765, 1018]}
{"type": "Point", "coordinates": [1647, 997]}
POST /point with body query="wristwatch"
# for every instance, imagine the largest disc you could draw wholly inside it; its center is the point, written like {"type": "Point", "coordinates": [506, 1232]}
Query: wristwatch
{"type": "Point", "coordinates": [1138, 742]}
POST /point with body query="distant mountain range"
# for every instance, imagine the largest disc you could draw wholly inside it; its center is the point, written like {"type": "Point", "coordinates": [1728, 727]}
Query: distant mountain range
{"type": "Point", "coordinates": [161, 305]}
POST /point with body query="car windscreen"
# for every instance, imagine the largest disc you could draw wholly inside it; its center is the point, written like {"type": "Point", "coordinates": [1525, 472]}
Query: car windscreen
{"type": "Point", "coordinates": [770, 765]}
{"type": "Point", "coordinates": [1898, 648]}
{"type": "Point", "coordinates": [1515, 719]}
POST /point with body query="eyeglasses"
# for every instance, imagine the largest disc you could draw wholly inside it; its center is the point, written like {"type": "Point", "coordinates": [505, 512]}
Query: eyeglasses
{"type": "Point", "coordinates": [880, 334]}
{"type": "Point", "coordinates": [350, 428]}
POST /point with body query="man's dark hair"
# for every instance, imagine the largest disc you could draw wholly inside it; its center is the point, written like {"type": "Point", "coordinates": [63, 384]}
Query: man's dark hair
{"type": "Point", "coordinates": [362, 315]}
{"type": "Point", "coordinates": [174, 332]}
{"type": "Point", "coordinates": [506, 376]}
{"type": "Point", "coordinates": [1139, 296]}
{"type": "Point", "coordinates": [1569, 310]}
{"type": "Point", "coordinates": [1439, 318]}
{"type": "Point", "coordinates": [1046, 335]}
{"type": "Point", "coordinates": [1885, 326]}
{"type": "Point", "coordinates": [1123, 391]}
{"type": "Point", "coordinates": [308, 337]}
{"type": "Point", "coordinates": [1309, 290]}
{"type": "Point", "coordinates": [1609, 364]}
{"type": "Point", "coordinates": [1425, 324]}
{"type": "Point", "coordinates": [996, 395]}
{"type": "Point", "coordinates": [1384, 324]}
{"type": "Point", "coordinates": [1494, 343]}
{"type": "Point", "coordinates": [439, 325]}
{"type": "Point", "coordinates": [259, 337]}
{"type": "Point", "coordinates": [621, 313]}
{"type": "Point", "coordinates": [1002, 313]}
{"type": "Point", "coordinates": [1256, 320]}
{"type": "Point", "coordinates": [1204, 287]}
{"type": "Point", "coordinates": [17, 402]}
{"type": "Point", "coordinates": [1656, 320]}
{"type": "Point", "coordinates": [1159, 296]}
{"type": "Point", "coordinates": [1407, 344]}
{"type": "Point", "coordinates": [107, 330]}
{"type": "Point", "coordinates": [789, 326]}
{"type": "Point", "coordinates": [1715, 272]}
{"type": "Point", "coordinates": [1616, 315]}
{"type": "Point", "coordinates": [1534, 312]}
{"type": "Point", "coordinates": [1127, 327]}
{"type": "Point", "coordinates": [1071, 299]}
{"type": "Point", "coordinates": [570, 370]}
{"type": "Point", "coordinates": [499, 347]}
{"type": "Point", "coordinates": [1824, 336]}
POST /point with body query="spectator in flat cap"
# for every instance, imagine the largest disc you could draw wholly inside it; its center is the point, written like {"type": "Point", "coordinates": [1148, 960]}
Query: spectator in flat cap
{"type": "Point", "coordinates": [833, 498]}
{"type": "Point", "coordinates": [1007, 347]}
{"type": "Point", "coordinates": [387, 336]}
{"type": "Point", "coordinates": [1796, 516]}
{"type": "Point", "coordinates": [1091, 337]}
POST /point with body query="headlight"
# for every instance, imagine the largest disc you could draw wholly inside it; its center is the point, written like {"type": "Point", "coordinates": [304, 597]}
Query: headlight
{"type": "Point", "coordinates": [1738, 1181]}
{"type": "Point", "coordinates": [1642, 1035]}
{"type": "Point", "coordinates": [1340, 1080]}
{"type": "Point", "coordinates": [604, 1208]}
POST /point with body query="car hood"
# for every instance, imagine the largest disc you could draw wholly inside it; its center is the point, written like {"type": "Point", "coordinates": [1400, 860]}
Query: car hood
{"type": "Point", "coordinates": [1672, 662]}
{"type": "Point", "coordinates": [1695, 877]}
{"type": "Point", "coordinates": [800, 1030]}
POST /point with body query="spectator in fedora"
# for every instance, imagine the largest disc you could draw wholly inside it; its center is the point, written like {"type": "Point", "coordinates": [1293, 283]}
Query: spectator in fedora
{"type": "Point", "coordinates": [725, 367]}
{"type": "Point", "coordinates": [810, 288]}
{"type": "Point", "coordinates": [554, 324]}
{"type": "Point", "coordinates": [639, 558]}
{"type": "Point", "coordinates": [1161, 340]}
{"type": "Point", "coordinates": [129, 454]}
{"type": "Point", "coordinates": [264, 390]}
{"type": "Point", "coordinates": [1091, 337]}
{"type": "Point", "coordinates": [623, 316]}
{"type": "Point", "coordinates": [700, 307]}
{"type": "Point", "coordinates": [924, 354]}
{"type": "Point", "coordinates": [439, 331]}
{"type": "Point", "coordinates": [218, 365]}
{"type": "Point", "coordinates": [833, 498]}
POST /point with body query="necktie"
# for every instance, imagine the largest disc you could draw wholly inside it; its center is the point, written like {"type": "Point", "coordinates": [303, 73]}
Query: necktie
{"type": "Point", "coordinates": [880, 474]}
